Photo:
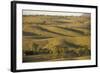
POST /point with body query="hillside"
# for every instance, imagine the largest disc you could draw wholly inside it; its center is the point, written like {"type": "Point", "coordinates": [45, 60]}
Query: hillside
{"type": "Point", "coordinates": [66, 37]}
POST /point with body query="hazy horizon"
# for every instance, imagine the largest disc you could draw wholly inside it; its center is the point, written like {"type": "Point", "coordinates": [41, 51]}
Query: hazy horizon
{"type": "Point", "coordinates": [30, 12]}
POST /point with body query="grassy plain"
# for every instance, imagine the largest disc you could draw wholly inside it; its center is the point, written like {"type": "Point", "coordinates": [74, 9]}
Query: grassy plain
{"type": "Point", "coordinates": [56, 38]}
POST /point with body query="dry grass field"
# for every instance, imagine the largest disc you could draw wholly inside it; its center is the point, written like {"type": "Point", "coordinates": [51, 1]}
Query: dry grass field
{"type": "Point", "coordinates": [56, 38]}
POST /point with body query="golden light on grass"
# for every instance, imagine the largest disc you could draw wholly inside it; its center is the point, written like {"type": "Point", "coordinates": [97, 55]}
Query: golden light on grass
{"type": "Point", "coordinates": [56, 38]}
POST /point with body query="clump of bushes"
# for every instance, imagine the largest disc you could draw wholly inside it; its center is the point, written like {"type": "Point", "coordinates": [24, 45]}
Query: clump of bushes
{"type": "Point", "coordinates": [36, 50]}
{"type": "Point", "coordinates": [58, 52]}
{"type": "Point", "coordinates": [77, 52]}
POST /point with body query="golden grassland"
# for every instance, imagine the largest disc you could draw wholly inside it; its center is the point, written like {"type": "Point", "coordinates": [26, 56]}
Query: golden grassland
{"type": "Point", "coordinates": [54, 38]}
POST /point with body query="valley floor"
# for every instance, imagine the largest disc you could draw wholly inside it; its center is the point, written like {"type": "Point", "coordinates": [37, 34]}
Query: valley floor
{"type": "Point", "coordinates": [43, 58]}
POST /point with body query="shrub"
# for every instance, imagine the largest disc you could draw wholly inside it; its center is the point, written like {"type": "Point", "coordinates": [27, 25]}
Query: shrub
{"type": "Point", "coordinates": [28, 52]}
{"type": "Point", "coordinates": [84, 52]}
{"type": "Point", "coordinates": [71, 53]}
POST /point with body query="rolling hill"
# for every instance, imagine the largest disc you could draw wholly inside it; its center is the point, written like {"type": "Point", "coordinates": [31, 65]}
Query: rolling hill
{"type": "Point", "coordinates": [59, 35]}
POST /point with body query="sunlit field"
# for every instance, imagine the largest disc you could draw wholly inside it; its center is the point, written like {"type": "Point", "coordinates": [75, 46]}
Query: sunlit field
{"type": "Point", "coordinates": [56, 38]}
